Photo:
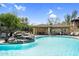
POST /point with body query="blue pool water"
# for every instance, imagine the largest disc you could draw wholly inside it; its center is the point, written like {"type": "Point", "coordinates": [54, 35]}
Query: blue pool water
{"type": "Point", "coordinates": [43, 46]}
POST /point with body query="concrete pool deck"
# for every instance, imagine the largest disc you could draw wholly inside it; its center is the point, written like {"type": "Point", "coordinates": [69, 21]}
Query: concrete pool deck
{"type": "Point", "coordinates": [77, 37]}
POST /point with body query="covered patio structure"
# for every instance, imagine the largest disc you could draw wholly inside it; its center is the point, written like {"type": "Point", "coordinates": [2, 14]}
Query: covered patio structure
{"type": "Point", "coordinates": [44, 29]}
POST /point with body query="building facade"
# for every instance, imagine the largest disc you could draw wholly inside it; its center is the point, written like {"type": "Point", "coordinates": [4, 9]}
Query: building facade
{"type": "Point", "coordinates": [75, 25]}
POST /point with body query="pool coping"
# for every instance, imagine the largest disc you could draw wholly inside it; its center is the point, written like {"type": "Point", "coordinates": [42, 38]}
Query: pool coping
{"type": "Point", "coordinates": [40, 36]}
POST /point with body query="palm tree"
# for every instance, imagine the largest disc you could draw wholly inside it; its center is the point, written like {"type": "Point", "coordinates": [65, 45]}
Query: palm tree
{"type": "Point", "coordinates": [74, 14]}
{"type": "Point", "coordinates": [24, 20]}
{"type": "Point", "coordinates": [67, 19]}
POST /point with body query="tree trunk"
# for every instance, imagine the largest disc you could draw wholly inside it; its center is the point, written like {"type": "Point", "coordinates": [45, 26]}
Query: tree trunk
{"type": "Point", "coordinates": [7, 37]}
{"type": "Point", "coordinates": [11, 34]}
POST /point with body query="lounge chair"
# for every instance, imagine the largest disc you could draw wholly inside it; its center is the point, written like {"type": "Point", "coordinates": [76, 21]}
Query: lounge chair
{"type": "Point", "coordinates": [72, 33]}
{"type": "Point", "coordinates": [76, 33]}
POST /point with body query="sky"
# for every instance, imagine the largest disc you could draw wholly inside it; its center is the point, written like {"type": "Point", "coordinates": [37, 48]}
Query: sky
{"type": "Point", "coordinates": [38, 13]}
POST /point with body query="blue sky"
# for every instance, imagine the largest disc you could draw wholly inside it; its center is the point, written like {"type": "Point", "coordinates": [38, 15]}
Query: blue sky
{"type": "Point", "coordinates": [38, 13]}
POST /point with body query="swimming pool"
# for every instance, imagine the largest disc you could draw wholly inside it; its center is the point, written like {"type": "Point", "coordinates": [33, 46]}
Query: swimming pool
{"type": "Point", "coordinates": [43, 46]}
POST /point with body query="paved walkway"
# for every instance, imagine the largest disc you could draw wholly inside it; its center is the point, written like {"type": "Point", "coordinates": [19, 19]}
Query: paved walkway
{"type": "Point", "coordinates": [2, 41]}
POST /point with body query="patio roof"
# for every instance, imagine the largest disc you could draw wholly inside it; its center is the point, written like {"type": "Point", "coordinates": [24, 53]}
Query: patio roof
{"type": "Point", "coordinates": [57, 25]}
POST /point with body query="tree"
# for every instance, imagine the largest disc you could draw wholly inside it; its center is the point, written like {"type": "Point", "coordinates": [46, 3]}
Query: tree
{"type": "Point", "coordinates": [11, 22]}
{"type": "Point", "coordinates": [24, 24]}
{"type": "Point", "coordinates": [68, 19]}
{"type": "Point", "coordinates": [24, 20]}
{"type": "Point", "coordinates": [53, 21]}
{"type": "Point", "coordinates": [50, 22]}
{"type": "Point", "coordinates": [57, 20]}
{"type": "Point", "coordinates": [74, 14]}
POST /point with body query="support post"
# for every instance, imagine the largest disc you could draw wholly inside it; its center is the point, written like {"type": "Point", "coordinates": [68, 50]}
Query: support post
{"type": "Point", "coordinates": [34, 31]}
{"type": "Point", "coordinates": [48, 30]}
